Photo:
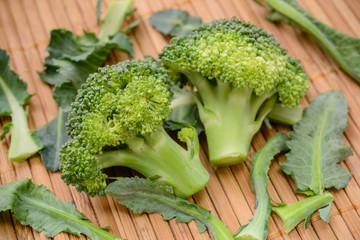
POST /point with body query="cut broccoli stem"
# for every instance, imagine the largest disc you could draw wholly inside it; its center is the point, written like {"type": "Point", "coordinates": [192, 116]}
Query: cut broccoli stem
{"type": "Point", "coordinates": [23, 143]}
{"type": "Point", "coordinates": [231, 116]}
{"type": "Point", "coordinates": [285, 115]}
{"type": "Point", "coordinates": [157, 154]}
{"type": "Point", "coordinates": [114, 17]}
{"type": "Point", "coordinates": [292, 214]}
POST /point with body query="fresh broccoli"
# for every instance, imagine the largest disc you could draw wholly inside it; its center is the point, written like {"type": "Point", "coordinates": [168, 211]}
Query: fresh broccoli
{"type": "Point", "coordinates": [239, 71]}
{"type": "Point", "coordinates": [117, 120]}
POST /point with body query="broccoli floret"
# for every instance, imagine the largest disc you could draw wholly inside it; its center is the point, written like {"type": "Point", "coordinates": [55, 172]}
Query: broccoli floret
{"type": "Point", "coordinates": [117, 120]}
{"type": "Point", "coordinates": [239, 71]}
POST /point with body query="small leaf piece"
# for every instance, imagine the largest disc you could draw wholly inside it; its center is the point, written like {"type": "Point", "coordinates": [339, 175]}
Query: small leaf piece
{"type": "Point", "coordinates": [13, 96]}
{"type": "Point", "coordinates": [344, 49]}
{"type": "Point", "coordinates": [325, 213]}
{"type": "Point", "coordinates": [36, 206]}
{"type": "Point", "coordinates": [174, 22]}
{"type": "Point", "coordinates": [6, 129]}
{"type": "Point", "coordinates": [143, 195]}
{"type": "Point", "coordinates": [317, 146]}
{"type": "Point", "coordinates": [53, 135]}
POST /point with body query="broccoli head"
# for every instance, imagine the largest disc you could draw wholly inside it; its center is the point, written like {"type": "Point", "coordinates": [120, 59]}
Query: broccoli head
{"type": "Point", "coordinates": [117, 120]}
{"type": "Point", "coordinates": [239, 71]}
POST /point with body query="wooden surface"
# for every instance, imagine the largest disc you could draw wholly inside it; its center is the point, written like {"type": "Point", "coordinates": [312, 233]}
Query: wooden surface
{"type": "Point", "coordinates": [25, 30]}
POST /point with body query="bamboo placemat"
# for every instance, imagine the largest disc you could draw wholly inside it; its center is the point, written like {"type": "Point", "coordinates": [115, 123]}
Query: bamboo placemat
{"type": "Point", "coordinates": [25, 31]}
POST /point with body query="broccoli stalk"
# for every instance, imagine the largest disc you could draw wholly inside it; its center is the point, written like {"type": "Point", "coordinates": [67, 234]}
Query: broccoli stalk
{"type": "Point", "coordinates": [117, 120]}
{"type": "Point", "coordinates": [239, 71]}
{"type": "Point", "coordinates": [157, 154]}
{"type": "Point", "coordinates": [293, 214]}
{"type": "Point", "coordinates": [285, 115]}
{"type": "Point", "coordinates": [231, 117]}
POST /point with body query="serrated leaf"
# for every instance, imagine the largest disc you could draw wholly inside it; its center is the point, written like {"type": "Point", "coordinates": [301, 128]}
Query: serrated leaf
{"type": "Point", "coordinates": [143, 195]}
{"type": "Point", "coordinates": [316, 145]}
{"type": "Point", "coordinates": [344, 49]}
{"type": "Point", "coordinates": [53, 135]}
{"type": "Point", "coordinates": [174, 22]}
{"type": "Point", "coordinates": [13, 96]}
{"type": "Point", "coordinates": [37, 207]}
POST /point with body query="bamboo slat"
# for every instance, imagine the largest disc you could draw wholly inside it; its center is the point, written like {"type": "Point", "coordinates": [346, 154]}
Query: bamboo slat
{"type": "Point", "coordinates": [25, 31]}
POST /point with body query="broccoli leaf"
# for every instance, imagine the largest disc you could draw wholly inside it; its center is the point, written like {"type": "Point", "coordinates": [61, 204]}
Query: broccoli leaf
{"type": "Point", "coordinates": [13, 96]}
{"type": "Point", "coordinates": [256, 229]}
{"type": "Point", "coordinates": [36, 206]}
{"type": "Point", "coordinates": [344, 49]}
{"type": "Point", "coordinates": [174, 22]}
{"type": "Point", "coordinates": [53, 135]}
{"type": "Point", "coordinates": [317, 146]}
{"type": "Point", "coordinates": [73, 58]}
{"type": "Point", "coordinates": [144, 195]}
{"type": "Point", "coordinates": [184, 109]}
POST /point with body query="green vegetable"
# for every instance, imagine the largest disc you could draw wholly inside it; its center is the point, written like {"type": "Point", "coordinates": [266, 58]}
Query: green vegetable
{"type": "Point", "coordinates": [285, 115]}
{"type": "Point", "coordinates": [37, 207]}
{"type": "Point", "coordinates": [316, 146]}
{"type": "Point", "coordinates": [256, 229]}
{"type": "Point", "coordinates": [72, 59]}
{"type": "Point", "coordinates": [293, 214]}
{"type": "Point", "coordinates": [144, 195]}
{"type": "Point", "coordinates": [13, 96]}
{"type": "Point", "coordinates": [174, 22]}
{"type": "Point", "coordinates": [117, 120]}
{"type": "Point", "coordinates": [53, 136]}
{"type": "Point", "coordinates": [240, 71]}
{"type": "Point", "coordinates": [345, 50]}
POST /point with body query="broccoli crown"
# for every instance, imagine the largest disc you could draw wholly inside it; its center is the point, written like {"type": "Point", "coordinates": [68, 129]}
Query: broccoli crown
{"type": "Point", "coordinates": [241, 54]}
{"type": "Point", "coordinates": [129, 99]}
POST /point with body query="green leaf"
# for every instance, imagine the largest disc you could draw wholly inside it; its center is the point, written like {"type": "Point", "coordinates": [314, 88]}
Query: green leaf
{"type": "Point", "coordinates": [64, 95]}
{"type": "Point", "coordinates": [6, 129]}
{"type": "Point", "coordinates": [72, 58]}
{"type": "Point", "coordinates": [37, 207]}
{"type": "Point", "coordinates": [317, 146]}
{"type": "Point", "coordinates": [13, 96]}
{"type": "Point", "coordinates": [344, 49]}
{"type": "Point", "coordinates": [325, 213]}
{"type": "Point", "coordinates": [184, 109]}
{"type": "Point", "coordinates": [174, 22]}
{"type": "Point", "coordinates": [143, 195]}
{"type": "Point", "coordinates": [257, 228]}
{"type": "Point", "coordinates": [53, 135]}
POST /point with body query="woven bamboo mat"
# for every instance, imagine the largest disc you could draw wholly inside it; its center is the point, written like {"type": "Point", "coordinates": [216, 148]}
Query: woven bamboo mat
{"type": "Point", "coordinates": [25, 31]}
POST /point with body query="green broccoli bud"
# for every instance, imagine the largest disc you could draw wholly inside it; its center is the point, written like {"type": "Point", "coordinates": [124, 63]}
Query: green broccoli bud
{"type": "Point", "coordinates": [239, 71]}
{"type": "Point", "coordinates": [116, 120]}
